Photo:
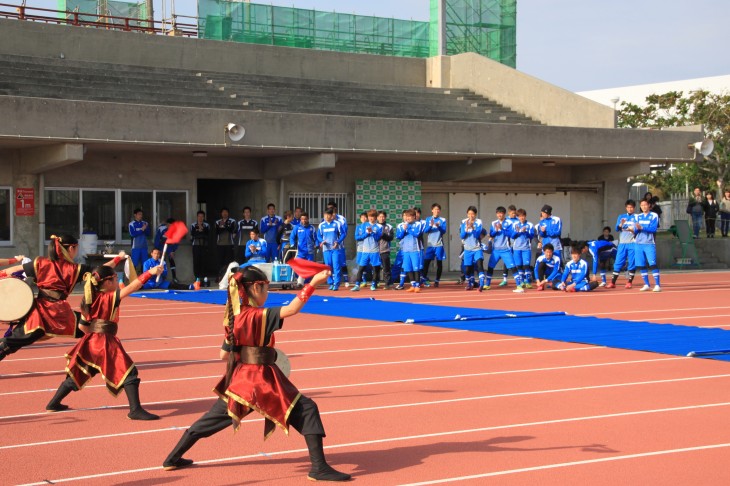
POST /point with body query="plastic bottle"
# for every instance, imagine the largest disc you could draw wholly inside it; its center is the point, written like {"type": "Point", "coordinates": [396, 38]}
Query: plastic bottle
{"type": "Point", "coordinates": [206, 283]}
{"type": "Point", "coordinates": [196, 285]}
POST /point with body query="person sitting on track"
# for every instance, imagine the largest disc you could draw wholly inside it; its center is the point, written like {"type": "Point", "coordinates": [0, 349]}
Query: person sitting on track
{"type": "Point", "coordinates": [252, 381]}
{"type": "Point", "coordinates": [575, 276]}
{"type": "Point", "coordinates": [547, 268]}
{"type": "Point", "coordinates": [55, 276]}
{"type": "Point", "coordinates": [100, 350]}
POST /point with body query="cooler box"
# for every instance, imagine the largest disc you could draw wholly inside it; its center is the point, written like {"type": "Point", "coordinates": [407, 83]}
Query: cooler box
{"type": "Point", "coordinates": [281, 273]}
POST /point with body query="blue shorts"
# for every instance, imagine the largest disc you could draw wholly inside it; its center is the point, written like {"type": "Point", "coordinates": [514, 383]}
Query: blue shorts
{"type": "Point", "coordinates": [645, 255]}
{"type": "Point", "coordinates": [435, 253]}
{"type": "Point", "coordinates": [584, 286]}
{"type": "Point", "coordinates": [625, 254]}
{"type": "Point", "coordinates": [504, 255]}
{"type": "Point", "coordinates": [522, 257]}
{"type": "Point", "coordinates": [472, 256]}
{"type": "Point", "coordinates": [411, 261]}
{"type": "Point", "coordinates": [365, 259]}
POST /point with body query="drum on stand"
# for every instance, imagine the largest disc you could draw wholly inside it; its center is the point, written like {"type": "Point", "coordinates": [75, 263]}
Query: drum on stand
{"type": "Point", "coordinates": [16, 299]}
{"type": "Point", "coordinates": [282, 361]}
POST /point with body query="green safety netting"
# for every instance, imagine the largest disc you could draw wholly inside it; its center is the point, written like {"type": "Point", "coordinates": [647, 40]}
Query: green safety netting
{"type": "Point", "coordinates": [100, 10]}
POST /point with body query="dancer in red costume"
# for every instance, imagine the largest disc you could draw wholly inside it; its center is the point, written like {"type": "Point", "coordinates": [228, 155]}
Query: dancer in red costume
{"type": "Point", "coordinates": [55, 276]}
{"type": "Point", "coordinates": [100, 351]}
{"type": "Point", "coordinates": [253, 383]}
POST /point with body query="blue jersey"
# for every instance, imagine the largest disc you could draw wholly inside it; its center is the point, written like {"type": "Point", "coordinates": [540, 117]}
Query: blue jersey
{"type": "Point", "coordinates": [522, 235]}
{"type": "Point", "coordinates": [552, 264]}
{"type": "Point", "coordinates": [139, 235]}
{"type": "Point", "coordinates": [369, 234]}
{"type": "Point", "coordinates": [625, 224]}
{"type": "Point", "coordinates": [512, 221]}
{"type": "Point", "coordinates": [330, 235]}
{"type": "Point", "coordinates": [151, 263]}
{"type": "Point", "coordinates": [577, 271]}
{"type": "Point", "coordinates": [269, 227]}
{"type": "Point", "coordinates": [161, 238]}
{"type": "Point", "coordinates": [258, 253]}
{"type": "Point", "coordinates": [410, 236]}
{"type": "Point", "coordinates": [434, 229]}
{"type": "Point", "coordinates": [553, 227]}
{"type": "Point", "coordinates": [597, 247]}
{"type": "Point", "coordinates": [648, 225]}
{"type": "Point", "coordinates": [471, 235]}
{"type": "Point", "coordinates": [500, 232]}
{"type": "Point", "coordinates": [304, 239]}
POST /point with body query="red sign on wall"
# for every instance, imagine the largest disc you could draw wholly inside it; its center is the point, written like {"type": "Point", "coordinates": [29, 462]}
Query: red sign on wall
{"type": "Point", "coordinates": [24, 201]}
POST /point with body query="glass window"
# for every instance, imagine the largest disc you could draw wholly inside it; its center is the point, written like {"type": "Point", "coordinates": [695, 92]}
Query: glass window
{"type": "Point", "coordinates": [98, 213]}
{"type": "Point", "coordinates": [172, 204]}
{"type": "Point", "coordinates": [5, 215]}
{"type": "Point", "coordinates": [62, 212]}
{"type": "Point", "coordinates": [132, 200]}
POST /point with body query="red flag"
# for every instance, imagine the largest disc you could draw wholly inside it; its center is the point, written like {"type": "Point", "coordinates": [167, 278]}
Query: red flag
{"type": "Point", "coordinates": [175, 232]}
{"type": "Point", "coordinates": [305, 268]}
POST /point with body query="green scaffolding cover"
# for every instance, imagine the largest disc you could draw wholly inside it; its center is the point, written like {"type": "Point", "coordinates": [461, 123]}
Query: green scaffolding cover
{"type": "Point", "coordinates": [96, 8]}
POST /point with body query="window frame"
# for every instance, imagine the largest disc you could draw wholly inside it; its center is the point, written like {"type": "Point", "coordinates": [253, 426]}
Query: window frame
{"type": "Point", "coordinates": [11, 220]}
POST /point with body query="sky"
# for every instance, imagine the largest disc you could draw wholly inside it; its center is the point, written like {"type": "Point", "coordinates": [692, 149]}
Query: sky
{"type": "Point", "coordinates": [578, 45]}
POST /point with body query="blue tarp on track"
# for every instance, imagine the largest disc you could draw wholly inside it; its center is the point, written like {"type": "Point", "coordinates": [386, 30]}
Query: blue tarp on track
{"type": "Point", "coordinates": [556, 326]}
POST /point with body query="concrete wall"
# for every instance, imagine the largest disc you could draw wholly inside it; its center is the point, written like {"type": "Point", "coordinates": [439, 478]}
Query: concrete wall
{"type": "Point", "coordinates": [521, 92]}
{"type": "Point", "coordinates": [98, 45]}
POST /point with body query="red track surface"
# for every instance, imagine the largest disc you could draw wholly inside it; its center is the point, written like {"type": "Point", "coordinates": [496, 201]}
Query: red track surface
{"type": "Point", "coordinates": [401, 403]}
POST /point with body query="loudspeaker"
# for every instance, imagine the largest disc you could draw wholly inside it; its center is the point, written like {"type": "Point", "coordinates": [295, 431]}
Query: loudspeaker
{"type": "Point", "coordinates": [235, 132]}
{"type": "Point", "coordinates": [704, 147]}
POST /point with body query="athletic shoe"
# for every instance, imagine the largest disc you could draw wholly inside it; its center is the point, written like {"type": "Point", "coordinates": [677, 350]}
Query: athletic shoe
{"type": "Point", "coordinates": [629, 285]}
{"type": "Point", "coordinates": [528, 285]}
{"type": "Point", "coordinates": [331, 287]}
{"type": "Point", "coordinates": [503, 283]}
{"type": "Point", "coordinates": [570, 289]}
{"type": "Point", "coordinates": [644, 288]}
{"type": "Point", "coordinates": [373, 287]}
{"type": "Point", "coordinates": [469, 286]}
{"type": "Point", "coordinates": [416, 290]}
{"type": "Point", "coordinates": [486, 287]}
{"type": "Point", "coordinates": [460, 281]}
{"type": "Point", "coordinates": [411, 289]}
{"type": "Point", "coordinates": [355, 288]}
{"type": "Point", "coordinates": [436, 284]}
{"type": "Point", "coordinates": [398, 287]}
{"type": "Point", "coordinates": [519, 290]}
{"type": "Point", "coordinates": [610, 285]}
{"type": "Point", "coordinates": [602, 284]}
{"type": "Point", "coordinates": [179, 464]}
{"type": "Point", "coordinates": [540, 288]}
{"type": "Point", "coordinates": [657, 289]}
{"type": "Point", "coordinates": [335, 288]}
{"type": "Point", "coordinates": [426, 283]}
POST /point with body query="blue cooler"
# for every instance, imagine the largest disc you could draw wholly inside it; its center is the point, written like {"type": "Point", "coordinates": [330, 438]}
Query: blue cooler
{"type": "Point", "coordinates": [281, 272]}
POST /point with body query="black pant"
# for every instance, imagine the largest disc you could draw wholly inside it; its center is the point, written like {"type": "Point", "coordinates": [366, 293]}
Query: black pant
{"type": "Point", "coordinates": [304, 418]}
{"type": "Point", "coordinates": [19, 339]}
{"type": "Point", "coordinates": [225, 257]}
{"type": "Point", "coordinates": [199, 261]}
{"type": "Point", "coordinates": [385, 262]}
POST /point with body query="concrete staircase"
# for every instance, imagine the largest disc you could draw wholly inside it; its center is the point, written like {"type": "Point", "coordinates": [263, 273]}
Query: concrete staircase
{"type": "Point", "coordinates": [91, 81]}
{"type": "Point", "coordinates": [711, 254]}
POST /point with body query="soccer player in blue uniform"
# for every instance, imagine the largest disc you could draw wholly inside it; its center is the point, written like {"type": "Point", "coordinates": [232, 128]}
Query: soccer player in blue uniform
{"type": "Point", "coordinates": [369, 234]}
{"type": "Point", "coordinates": [511, 219]}
{"type": "Point", "coordinates": [330, 237]}
{"type": "Point", "coordinates": [500, 232]}
{"type": "Point", "coordinates": [256, 248]}
{"type": "Point", "coordinates": [269, 228]}
{"type": "Point", "coordinates": [304, 239]}
{"type": "Point", "coordinates": [470, 232]}
{"type": "Point", "coordinates": [646, 225]}
{"type": "Point", "coordinates": [409, 233]}
{"type": "Point", "coordinates": [625, 225]}
{"type": "Point", "coordinates": [575, 276]}
{"type": "Point", "coordinates": [522, 234]}
{"type": "Point", "coordinates": [434, 230]}
{"type": "Point", "coordinates": [601, 251]}
{"type": "Point", "coordinates": [547, 268]}
{"type": "Point", "coordinates": [549, 230]}
{"type": "Point", "coordinates": [342, 221]}
{"type": "Point", "coordinates": [139, 231]}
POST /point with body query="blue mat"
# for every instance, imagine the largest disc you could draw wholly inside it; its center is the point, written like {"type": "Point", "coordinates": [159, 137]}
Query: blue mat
{"type": "Point", "coordinates": [556, 326]}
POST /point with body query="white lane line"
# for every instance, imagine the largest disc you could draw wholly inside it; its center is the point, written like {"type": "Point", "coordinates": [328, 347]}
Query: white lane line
{"type": "Point", "coordinates": [383, 407]}
{"type": "Point", "coordinates": [382, 363]}
{"type": "Point", "coordinates": [389, 382]}
{"type": "Point", "coordinates": [682, 318]}
{"type": "Point", "coordinates": [571, 464]}
{"type": "Point", "coordinates": [403, 439]}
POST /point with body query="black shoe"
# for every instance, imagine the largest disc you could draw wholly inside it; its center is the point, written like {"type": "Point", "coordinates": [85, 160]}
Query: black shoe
{"type": "Point", "coordinates": [328, 473]}
{"type": "Point", "coordinates": [142, 414]}
{"type": "Point", "coordinates": [179, 464]}
{"type": "Point", "coordinates": [56, 408]}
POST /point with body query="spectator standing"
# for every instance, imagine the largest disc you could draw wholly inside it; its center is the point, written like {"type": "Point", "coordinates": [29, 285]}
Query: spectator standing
{"type": "Point", "coordinates": [139, 231]}
{"type": "Point", "coordinates": [695, 209]}
{"type": "Point", "coordinates": [653, 206]}
{"type": "Point", "coordinates": [711, 209]}
{"type": "Point", "coordinates": [549, 230]}
{"type": "Point", "coordinates": [269, 228]}
{"type": "Point", "coordinates": [161, 239]}
{"type": "Point", "coordinates": [385, 239]}
{"type": "Point", "coordinates": [199, 236]}
{"type": "Point", "coordinates": [725, 213]}
{"type": "Point", "coordinates": [225, 229]}
{"type": "Point", "coordinates": [245, 226]}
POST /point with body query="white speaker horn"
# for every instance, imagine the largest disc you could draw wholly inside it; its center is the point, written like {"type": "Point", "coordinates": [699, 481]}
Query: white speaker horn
{"type": "Point", "coordinates": [235, 132]}
{"type": "Point", "coordinates": [704, 147]}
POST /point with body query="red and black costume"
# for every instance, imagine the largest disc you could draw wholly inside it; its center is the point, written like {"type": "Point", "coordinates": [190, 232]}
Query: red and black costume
{"type": "Point", "coordinates": [51, 314]}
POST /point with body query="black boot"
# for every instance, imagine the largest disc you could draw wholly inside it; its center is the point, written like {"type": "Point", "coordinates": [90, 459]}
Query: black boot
{"type": "Point", "coordinates": [66, 387]}
{"type": "Point", "coordinates": [136, 412]}
{"type": "Point", "coordinates": [175, 460]}
{"type": "Point", "coordinates": [321, 471]}
{"type": "Point", "coordinates": [4, 349]}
